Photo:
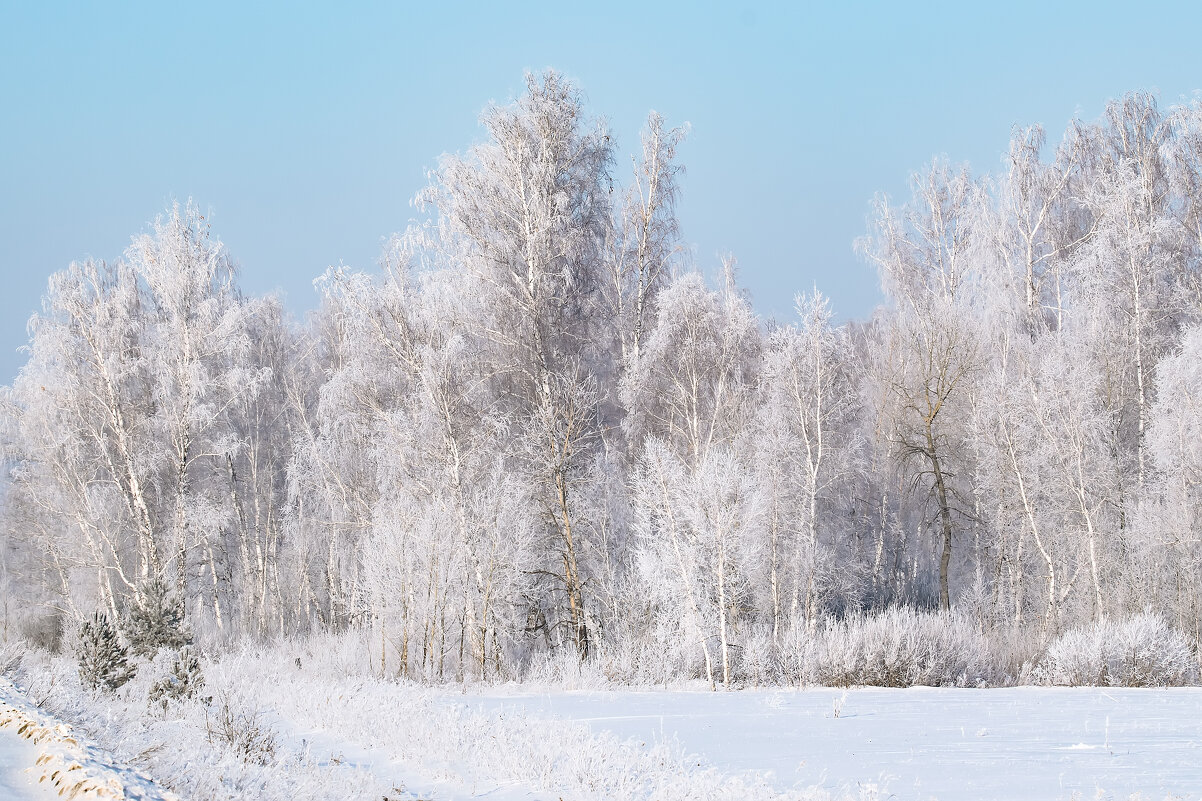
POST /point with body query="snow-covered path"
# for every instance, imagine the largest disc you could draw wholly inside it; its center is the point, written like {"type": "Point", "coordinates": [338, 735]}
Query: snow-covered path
{"type": "Point", "coordinates": [920, 743]}
{"type": "Point", "coordinates": [16, 782]}
{"type": "Point", "coordinates": [69, 764]}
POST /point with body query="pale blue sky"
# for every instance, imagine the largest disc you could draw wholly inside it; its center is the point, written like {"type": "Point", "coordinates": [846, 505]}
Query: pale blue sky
{"type": "Point", "coordinates": [305, 129]}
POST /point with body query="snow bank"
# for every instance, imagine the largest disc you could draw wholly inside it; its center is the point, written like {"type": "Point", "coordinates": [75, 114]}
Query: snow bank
{"type": "Point", "coordinates": [176, 747]}
{"type": "Point", "coordinates": [67, 761]}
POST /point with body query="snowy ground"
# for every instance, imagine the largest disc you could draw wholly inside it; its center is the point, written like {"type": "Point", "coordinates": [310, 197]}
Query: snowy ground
{"type": "Point", "coordinates": [345, 735]}
{"type": "Point", "coordinates": [17, 783]}
{"type": "Point", "coordinates": [920, 743]}
{"type": "Point", "coordinates": [41, 757]}
{"type": "Point", "coordinates": [342, 733]}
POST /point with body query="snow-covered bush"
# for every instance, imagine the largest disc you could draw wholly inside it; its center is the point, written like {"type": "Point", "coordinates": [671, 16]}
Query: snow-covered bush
{"type": "Point", "coordinates": [1014, 653]}
{"type": "Point", "coordinates": [608, 665]}
{"type": "Point", "coordinates": [183, 681]}
{"type": "Point", "coordinates": [103, 659]}
{"type": "Point", "coordinates": [241, 730]}
{"type": "Point", "coordinates": [759, 661]}
{"type": "Point", "coordinates": [899, 647]}
{"type": "Point", "coordinates": [177, 750]}
{"type": "Point", "coordinates": [155, 619]}
{"type": "Point", "coordinates": [562, 667]}
{"type": "Point", "coordinates": [11, 654]}
{"type": "Point", "coordinates": [1140, 651]}
{"type": "Point", "coordinates": [664, 653]}
{"type": "Point", "coordinates": [652, 651]}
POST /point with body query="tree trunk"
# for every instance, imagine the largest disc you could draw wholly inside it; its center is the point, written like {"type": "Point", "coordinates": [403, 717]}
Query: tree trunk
{"type": "Point", "coordinates": [945, 520]}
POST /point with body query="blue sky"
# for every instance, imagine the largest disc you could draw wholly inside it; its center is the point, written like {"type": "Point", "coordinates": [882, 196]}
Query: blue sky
{"type": "Point", "coordinates": [305, 129]}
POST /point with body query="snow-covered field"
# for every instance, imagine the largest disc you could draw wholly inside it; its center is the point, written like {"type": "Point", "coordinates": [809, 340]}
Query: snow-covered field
{"type": "Point", "coordinates": [919, 743]}
{"type": "Point", "coordinates": [17, 781]}
{"type": "Point", "coordinates": [339, 732]}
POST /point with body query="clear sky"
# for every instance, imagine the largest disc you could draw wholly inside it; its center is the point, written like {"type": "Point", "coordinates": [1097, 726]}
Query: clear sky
{"type": "Point", "coordinates": [305, 129]}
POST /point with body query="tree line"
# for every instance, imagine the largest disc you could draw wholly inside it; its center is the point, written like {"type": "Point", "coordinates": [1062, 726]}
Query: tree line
{"type": "Point", "coordinates": [535, 430]}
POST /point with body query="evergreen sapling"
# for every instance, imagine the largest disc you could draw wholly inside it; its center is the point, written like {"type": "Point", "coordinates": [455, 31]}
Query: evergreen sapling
{"type": "Point", "coordinates": [155, 620]}
{"type": "Point", "coordinates": [184, 680]}
{"type": "Point", "coordinates": [103, 660]}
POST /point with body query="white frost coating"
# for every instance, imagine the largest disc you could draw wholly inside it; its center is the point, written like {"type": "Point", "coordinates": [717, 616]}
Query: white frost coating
{"type": "Point", "coordinates": [76, 769]}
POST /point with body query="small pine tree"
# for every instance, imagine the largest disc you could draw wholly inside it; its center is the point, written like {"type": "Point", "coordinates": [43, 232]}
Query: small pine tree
{"type": "Point", "coordinates": [184, 680]}
{"type": "Point", "coordinates": [155, 619]}
{"type": "Point", "coordinates": [103, 660]}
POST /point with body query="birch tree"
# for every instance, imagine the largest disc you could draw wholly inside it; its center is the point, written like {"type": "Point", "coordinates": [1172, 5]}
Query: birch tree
{"type": "Point", "coordinates": [529, 212]}
{"type": "Point", "coordinates": [689, 403]}
{"type": "Point", "coordinates": [809, 395]}
{"type": "Point", "coordinates": [1176, 443]}
{"type": "Point", "coordinates": [924, 253]}
{"type": "Point", "coordinates": [196, 351]}
{"type": "Point", "coordinates": [646, 236]}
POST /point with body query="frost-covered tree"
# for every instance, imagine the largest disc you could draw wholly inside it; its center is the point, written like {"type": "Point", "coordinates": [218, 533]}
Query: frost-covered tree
{"type": "Point", "coordinates": [924, 254]}
{"type": "Point", "coordinates": [103, 659]}
{"type": "Point", "coordinates": [183, 682]}
{"type": "Point", "coordinates": [261, 428]}
{"type": "Point", "coordinates": [1034, 226]}
{"type": "Point", "coordinates": [693, 385]}
{"type": "Point", "coordinates": [527, 214]}
{"type": "Point", "coordinates": [120, 424]}
{"type": "Point", "coordinates": [1128, 270]}
{"type": "Point", "coordinates": [155, 619]}
{"type": "Point", "coordinates": [195, 348]}
{"type": "Point", "coordinates": [1175, 439]}
{"type": "Point", "coordinates": [439, 509]}
{"type": "Point", "coordinates": [696, 536]}
{"type": "Point", "coordinates": [690, 401]}
{"type": "Point", "coordinates": [79, 437]}
{"type": "Point", "coordinates": [807, 452]}
{"type": "Point", "coordinates": [646, 237]}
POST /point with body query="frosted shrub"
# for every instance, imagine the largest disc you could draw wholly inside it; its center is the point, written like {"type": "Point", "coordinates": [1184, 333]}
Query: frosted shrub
{"type": "Point", "coordinates": [618, 665]}
{"type": "Point", "coordinates": [664, 653]}
{"type": "Point", "coordinates": [242, 732]}
{"type": "Point", "coordinates": [624, 663]}
{"type": "Point", "coordinates": [561, 667]}
{"type": "Point", "coordinates": [759, 663]}
{"type": "Point", "coordinates": [103, 659]}
{"type": "Point", "coordinates": [184, 680]}
{"type": "Point", "coordinates": [1147, 652]}
{"type": "Point", "coordinates": [354, 652]}
{"type": "Point", "coordinates": [669, 655]}
{"type": "Point", "coordinates": [607, 665]}
{"type": "Point", "coordinates": [1075, 658]}
{"type": "Point", "coordinates": [1015, 652]}
{"type": "Point", "coordinates": [1140, 651]}
{"type": "Point", "coordinates": [900, 647]}
{"type": "Point", "coordinates": [11, 654]}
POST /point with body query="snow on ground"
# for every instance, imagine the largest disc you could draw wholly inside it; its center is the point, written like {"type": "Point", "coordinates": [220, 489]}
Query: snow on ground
{"type": "Point", "coordinates": [17, 781]}
{"type": "Point", "coordinates": [918, 743]}
{"type": "Point", "coordinates": [343, 733]}
{"type": "Point", "coordinates": [61, 758]}
{"type": "Point", "coordinates": [412, 737]}
{"type": "Point", "coordinates": [176, 746]}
